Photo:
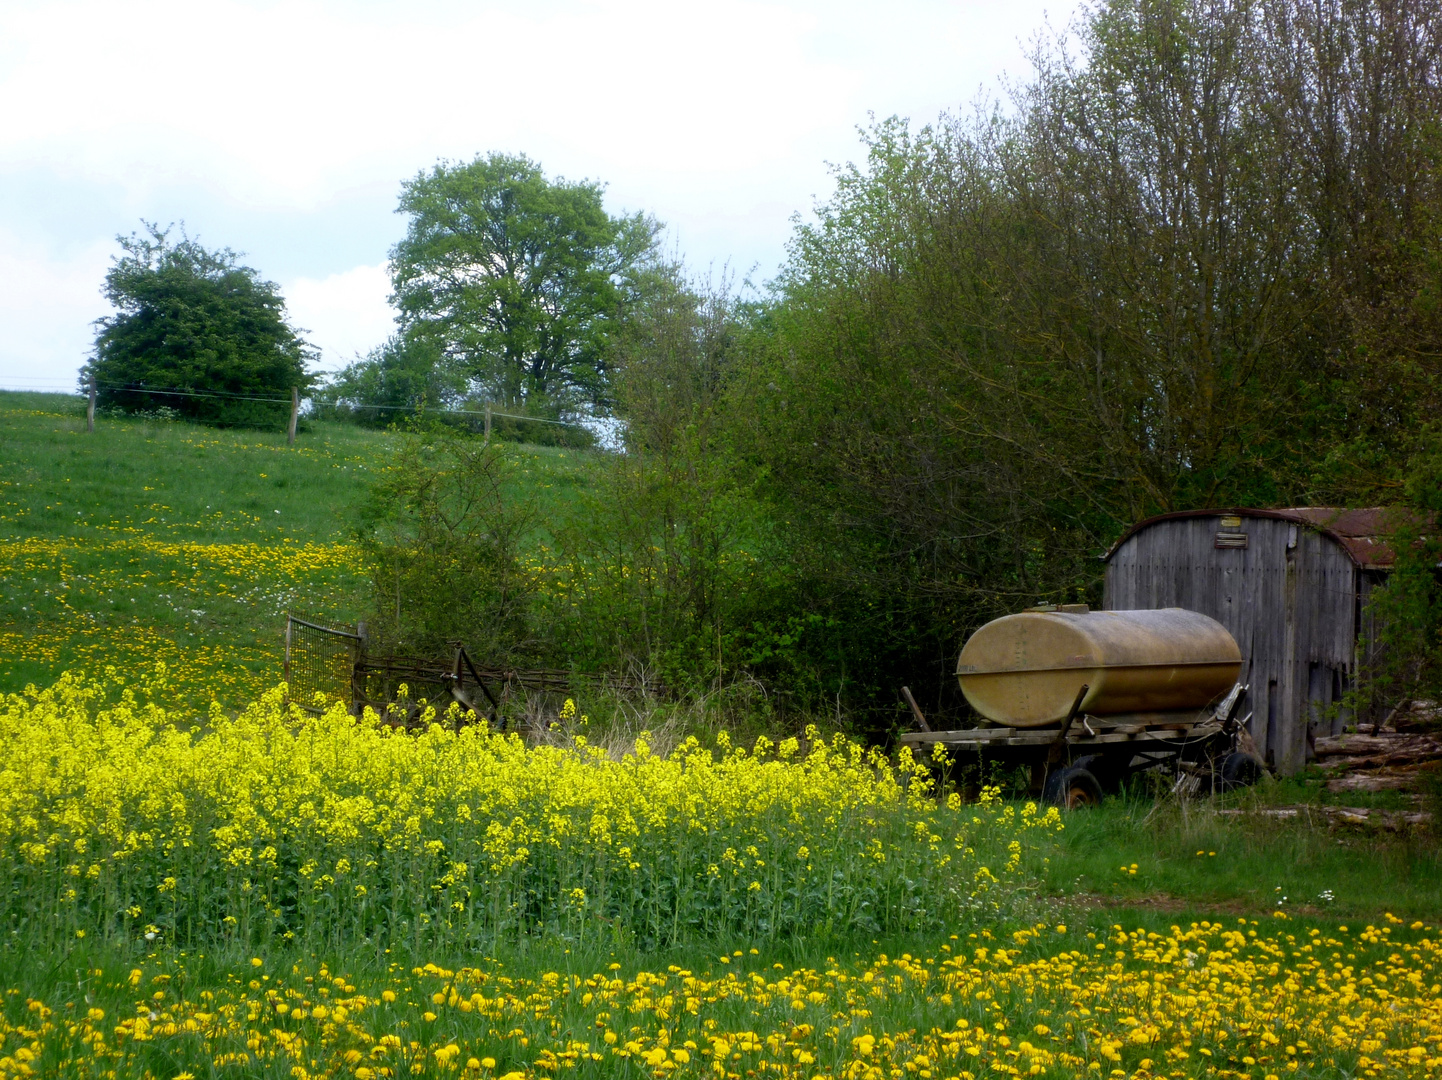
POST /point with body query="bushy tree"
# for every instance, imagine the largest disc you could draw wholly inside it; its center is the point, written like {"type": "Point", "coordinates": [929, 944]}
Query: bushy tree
{"type": "Point", "coordinates": [440, 538]}
{"type": "Point", "coordinates": [1401, 658]}
{"type": "Point", "coordinates": [519, 280]}
{"type": "Point", "coordinates": [652, 583]}
{"type": "Point", "coordinates": [195, 331]}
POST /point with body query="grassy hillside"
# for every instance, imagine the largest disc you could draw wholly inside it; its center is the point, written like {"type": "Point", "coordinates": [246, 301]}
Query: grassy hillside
{"type": "Point", "coordinates": [154, 541]}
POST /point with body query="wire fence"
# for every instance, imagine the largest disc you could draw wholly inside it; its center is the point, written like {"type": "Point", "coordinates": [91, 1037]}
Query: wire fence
{"type": "Point", "coordinates": [50, 386]}
{"type": "Point", "coordinates": [320, 660]}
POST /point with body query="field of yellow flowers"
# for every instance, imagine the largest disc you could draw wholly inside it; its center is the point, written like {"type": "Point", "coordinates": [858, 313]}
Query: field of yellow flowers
{"type": "Point", "coordinates": [1267, 999]}
{"type": "Point", "coordinates": [119, 818]}
{"type": "Point", "coordinates": [246, 886]}
{"type": "Point", "coordinates": [131, 601]}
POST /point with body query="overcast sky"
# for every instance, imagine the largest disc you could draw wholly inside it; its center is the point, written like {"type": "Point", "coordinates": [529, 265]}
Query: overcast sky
{"type": "Point", "coordinates": [283, 130]}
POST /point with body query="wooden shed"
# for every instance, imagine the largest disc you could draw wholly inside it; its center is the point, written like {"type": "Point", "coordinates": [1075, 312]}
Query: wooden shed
{"type": "Point", "coordinates": [1291, 585]}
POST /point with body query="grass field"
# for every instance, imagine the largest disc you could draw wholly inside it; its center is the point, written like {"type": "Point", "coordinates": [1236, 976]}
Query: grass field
{"type": "Point", "coordinates": [1187, 858]}
{"type": "Point", "coordinates": [168, 541]}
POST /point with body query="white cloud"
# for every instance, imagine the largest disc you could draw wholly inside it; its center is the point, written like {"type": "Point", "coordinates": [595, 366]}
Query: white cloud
{"type": "Point", "coordinates": [343, 314]}
{"type": "Point", "coordinates": [277, 103]}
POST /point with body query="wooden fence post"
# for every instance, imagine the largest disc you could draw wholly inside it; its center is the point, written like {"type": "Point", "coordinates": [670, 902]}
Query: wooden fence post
{"type": "Point", "coordinates": [488, 421]}
{"type": "Point", "coordinates": [90, 409]}
{"type": "Point", "coordinates": [294, 412]}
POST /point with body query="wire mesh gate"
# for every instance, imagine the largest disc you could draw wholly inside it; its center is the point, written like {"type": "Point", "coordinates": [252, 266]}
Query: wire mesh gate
{"type": "Point", "coordinates": [324, 664]}
{"type": "Point", "coordinates": [320, 660]}
{"type": "Point", "coordinates": [332, 661]}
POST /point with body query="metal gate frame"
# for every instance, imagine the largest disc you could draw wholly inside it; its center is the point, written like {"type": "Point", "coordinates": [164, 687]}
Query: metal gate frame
{"type": "Point", "coordinates": [303, 663]}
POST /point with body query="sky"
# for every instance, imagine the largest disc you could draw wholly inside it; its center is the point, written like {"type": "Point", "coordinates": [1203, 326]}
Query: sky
{"type": "Point", "coordinates": [284, 130]}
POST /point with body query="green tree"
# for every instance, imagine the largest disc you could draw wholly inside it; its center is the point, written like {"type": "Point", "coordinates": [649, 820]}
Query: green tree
{"type": "Point", "coordinates": [657, 578]}
{"type": "Point", "coordinates": [392, 380]}
{"type": "Point", "coordinates": [1401, 660]}
{"type": "Point", "coordinates": [197, 332]}
{"type": "Point", "coordinates": [519, 280]}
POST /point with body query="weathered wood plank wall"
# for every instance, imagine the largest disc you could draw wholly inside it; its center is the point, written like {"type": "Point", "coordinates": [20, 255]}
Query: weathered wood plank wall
{"type": "Point", "coordinates": [1290, 598]}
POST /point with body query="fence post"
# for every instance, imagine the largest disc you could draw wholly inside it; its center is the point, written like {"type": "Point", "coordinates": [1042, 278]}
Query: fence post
{"type": "Point", "coordinates": [488, 421]}
{"type": "Point", "coordinates": [287, 656]}
{"type": "Point", "coordinates": [294, 412]}
{"type": "Point", "coordinates": [90, 409]}
{"type": "Point", "coordinates": [357, 668]}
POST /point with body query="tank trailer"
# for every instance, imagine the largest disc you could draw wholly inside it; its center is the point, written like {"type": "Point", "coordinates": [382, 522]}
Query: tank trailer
{"type": "Point", "coordinates": [1085, 699]}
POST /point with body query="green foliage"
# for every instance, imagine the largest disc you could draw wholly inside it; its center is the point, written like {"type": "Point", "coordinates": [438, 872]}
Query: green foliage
{"type": "Point", "coordinates": [441, 541]}
{"type": "Point", "coordinates": [670, 566]}
{"type": "Point", "coordinates": [396, 378]}
{"type": "Point", "coordinates": [518, 280]}
{"type": "Point", "coordinates": [199, 324]}
{"type": "Point", "coordinates": [643, 566]}
{"type": "Point", "coordinates": [1402, 653]}
{"type": "Point", "coordinates": [537, 422]}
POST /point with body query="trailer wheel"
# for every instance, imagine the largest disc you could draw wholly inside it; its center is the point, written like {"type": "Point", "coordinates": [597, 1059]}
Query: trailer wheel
{"type": "Point", "coordinates": [1105, 771]}
{"type": "Point", "coordinates": [1072, 788]}
{"type": "Point", "coordinates": [1239, 770]}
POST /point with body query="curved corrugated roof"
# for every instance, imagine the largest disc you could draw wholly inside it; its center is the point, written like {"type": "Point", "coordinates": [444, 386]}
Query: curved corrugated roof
{"type": "Point", "coordinates": [1364, 533]}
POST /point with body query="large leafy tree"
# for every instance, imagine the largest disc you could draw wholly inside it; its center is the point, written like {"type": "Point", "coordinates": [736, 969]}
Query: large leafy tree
{"type": "Point", "coordinates": [519, 280]}
{"type": "Point", "coordinates": [197, 332]}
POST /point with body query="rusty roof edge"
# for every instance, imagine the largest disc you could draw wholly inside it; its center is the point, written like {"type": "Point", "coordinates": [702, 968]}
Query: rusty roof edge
{"type": "Point", "coordinates": [1371, 552]}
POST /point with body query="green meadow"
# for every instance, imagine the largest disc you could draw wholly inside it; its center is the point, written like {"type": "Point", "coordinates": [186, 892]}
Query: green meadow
{"type": "Point", "coordinates": [170, 541]}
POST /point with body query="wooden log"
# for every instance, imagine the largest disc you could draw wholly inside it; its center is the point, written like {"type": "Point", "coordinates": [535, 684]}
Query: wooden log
{"type": "Point", "coordinates": [962, 735]}
{"type": "Point", "coordinates": [1383, 780]}
{"type": "Point", "coordinates": [1356, 746]}
{"type": "Point", "coordinates": [1381, 761]}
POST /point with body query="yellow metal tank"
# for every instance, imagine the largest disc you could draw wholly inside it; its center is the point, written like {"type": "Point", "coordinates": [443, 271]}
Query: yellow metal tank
{"type": "Point", "coordinates": [1025, 670]}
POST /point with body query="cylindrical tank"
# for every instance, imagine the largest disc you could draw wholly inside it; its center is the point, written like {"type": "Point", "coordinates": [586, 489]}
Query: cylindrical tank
{"type": "Point", "coordinates": [1025, 670]}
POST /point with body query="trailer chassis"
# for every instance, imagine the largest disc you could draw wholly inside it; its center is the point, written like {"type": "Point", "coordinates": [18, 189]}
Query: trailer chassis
{"type": "Point", "coordinates": [1086, 757]}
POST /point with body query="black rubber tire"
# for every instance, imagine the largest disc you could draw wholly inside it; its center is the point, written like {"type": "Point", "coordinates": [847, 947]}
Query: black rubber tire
{"type": "Point", "coordinates": [1239, 770]}
{"type": "Point", "coordinates": [1100, 767]}
{"type": "Point", "coordinates": [1072, 788]}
